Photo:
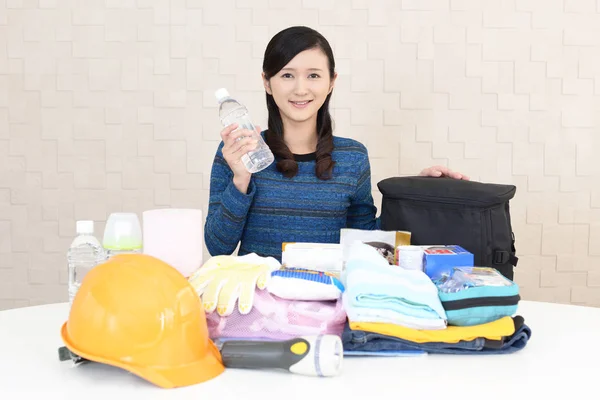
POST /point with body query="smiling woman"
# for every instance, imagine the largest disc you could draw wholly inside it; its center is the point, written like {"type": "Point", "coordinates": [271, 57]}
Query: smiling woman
{"type": "Point", "coordinates": [319, 184]}
{"type": "Point", "coordinates": [299, 76]}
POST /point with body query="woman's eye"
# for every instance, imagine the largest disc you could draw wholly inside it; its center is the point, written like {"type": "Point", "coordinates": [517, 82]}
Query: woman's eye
{"type": "Point", "coordinates": [286, 75]}
{"type": "Point", "coordinates": [314, 76]}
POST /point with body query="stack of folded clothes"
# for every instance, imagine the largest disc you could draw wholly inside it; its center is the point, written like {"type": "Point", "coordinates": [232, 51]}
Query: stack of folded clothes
{"type": "Point", "coordinates": [377, 292]}
{"type": "Point", "coordinates": [506, 335]}
{"type": "Point", "coordinates": [393, 310]}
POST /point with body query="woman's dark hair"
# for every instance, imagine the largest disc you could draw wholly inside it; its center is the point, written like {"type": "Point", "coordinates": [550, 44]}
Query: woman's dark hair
{"type": "Point", "coordinates": [282, 48]}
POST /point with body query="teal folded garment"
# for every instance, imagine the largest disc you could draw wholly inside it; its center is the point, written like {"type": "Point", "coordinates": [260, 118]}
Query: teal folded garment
{"type": "Point", "coordinates": [477, 295]}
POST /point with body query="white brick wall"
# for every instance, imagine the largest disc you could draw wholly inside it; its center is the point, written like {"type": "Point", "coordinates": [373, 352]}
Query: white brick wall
{"type": "Point", "coordinates": [108, 106]}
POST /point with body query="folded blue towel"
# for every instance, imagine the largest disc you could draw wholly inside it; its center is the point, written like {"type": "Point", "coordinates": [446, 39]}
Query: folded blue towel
{"type": "Point", "coordinates": [373, 284]}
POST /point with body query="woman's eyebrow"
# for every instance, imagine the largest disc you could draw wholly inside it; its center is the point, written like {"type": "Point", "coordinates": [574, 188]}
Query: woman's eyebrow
{"type": "Point", "coordinates": [294, 69]}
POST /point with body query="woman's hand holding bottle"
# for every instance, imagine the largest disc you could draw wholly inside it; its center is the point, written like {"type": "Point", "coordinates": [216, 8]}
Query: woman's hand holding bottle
{"type": "Point", "coordinates": [237, 143]}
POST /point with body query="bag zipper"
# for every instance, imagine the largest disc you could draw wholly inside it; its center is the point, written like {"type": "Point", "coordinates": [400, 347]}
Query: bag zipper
{"type": "Point", "coordinates": [445, 200]}
{"type": "Point", "coordinates": [490, 301]}
{"type": "Point", "coordinates": [485, 232]}
{"type": "Point", "coordinates": [487, 240]}
{"type": "Point", "coordinates": [407, 195]}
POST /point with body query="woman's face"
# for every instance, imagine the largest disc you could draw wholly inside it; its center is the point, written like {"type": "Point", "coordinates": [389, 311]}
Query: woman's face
{"type": "Point", "coordinates": [301, 87]}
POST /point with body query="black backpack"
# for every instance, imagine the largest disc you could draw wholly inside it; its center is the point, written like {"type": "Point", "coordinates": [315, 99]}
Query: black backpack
{"type": "Point", "coordinates": [445, 211]}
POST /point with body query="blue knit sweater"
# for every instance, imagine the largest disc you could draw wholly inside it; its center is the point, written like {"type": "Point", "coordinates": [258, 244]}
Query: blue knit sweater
{"type": "Point", "coordinates": [277, 209]}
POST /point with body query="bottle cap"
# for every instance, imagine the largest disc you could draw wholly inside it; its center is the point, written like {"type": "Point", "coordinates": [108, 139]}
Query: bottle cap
{"type": "Point", "coordinates": [85, 226]}
{"type": "Point", "coordinates": [221, 94]}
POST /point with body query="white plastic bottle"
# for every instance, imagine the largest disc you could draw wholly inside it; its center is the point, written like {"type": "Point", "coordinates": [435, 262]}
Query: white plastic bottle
{"type": "Point", "coordinates": [231, 111]}
{"type": "Point", "coordinates": [84, 254]}
{"type": "Point", "coordinates": [122, 234]}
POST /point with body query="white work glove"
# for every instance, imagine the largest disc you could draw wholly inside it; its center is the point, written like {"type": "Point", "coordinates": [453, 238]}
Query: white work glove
{"type": "Point", "coordinates": [223, 280]}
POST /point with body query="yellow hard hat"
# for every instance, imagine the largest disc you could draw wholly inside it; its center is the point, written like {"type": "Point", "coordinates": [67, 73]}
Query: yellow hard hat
{"type": "Point", "coordinates": [138, 313]}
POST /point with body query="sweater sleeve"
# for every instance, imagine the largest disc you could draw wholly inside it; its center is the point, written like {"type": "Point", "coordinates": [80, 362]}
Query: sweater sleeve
{"type": "Point", "coordinates": [362, 212]}
{"type": "Point", "coordinates": [227, 209]}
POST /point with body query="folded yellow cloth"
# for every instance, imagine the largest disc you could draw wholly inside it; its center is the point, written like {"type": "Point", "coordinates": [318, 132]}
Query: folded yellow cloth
{"type": "Point", "coordinates": [453, 334]}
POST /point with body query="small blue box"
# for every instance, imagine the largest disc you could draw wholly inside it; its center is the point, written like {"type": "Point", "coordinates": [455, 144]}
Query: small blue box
{"type": "Point", "coordinates": [439, 260]}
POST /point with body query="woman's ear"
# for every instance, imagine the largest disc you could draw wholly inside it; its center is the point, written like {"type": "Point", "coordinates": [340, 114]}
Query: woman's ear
{"type": "Point", "coordinates": [266, 84]}
{"type": "Point", "coordinates": [332, 84]}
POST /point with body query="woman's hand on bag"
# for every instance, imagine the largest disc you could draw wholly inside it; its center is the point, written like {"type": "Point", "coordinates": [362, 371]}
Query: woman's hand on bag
{"type": "Point", "coordinates": [441, 171]}
{"type": "Point", "coordinates": [234, 150]}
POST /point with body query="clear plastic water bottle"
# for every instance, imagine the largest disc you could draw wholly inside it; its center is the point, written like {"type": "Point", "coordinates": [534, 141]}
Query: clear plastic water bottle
{"type": "Point", "coordinates": [231, 111]}
{"type": "Point", "coordinates": [84, 254]}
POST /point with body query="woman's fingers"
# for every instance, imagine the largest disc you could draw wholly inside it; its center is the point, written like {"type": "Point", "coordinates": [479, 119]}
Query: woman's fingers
{"type": "Point", "coordinates": [235, 136]}
{"type": "Point", "coordinates": [237, 143]}
{"type": "Point", "coordinates": [238, 148]}
{"type": "Point", "coordinates": [241, 147]}
{"type": "Point", "coordinates": [226, 132]}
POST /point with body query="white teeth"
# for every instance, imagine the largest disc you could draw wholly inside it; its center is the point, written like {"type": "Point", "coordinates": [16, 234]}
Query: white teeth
{"type": "Point", "coordinates": [301, 103]}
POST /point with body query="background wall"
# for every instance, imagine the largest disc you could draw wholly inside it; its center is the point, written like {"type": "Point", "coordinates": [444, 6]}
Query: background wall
{"type": "Point", "coordinates": [108, 106]}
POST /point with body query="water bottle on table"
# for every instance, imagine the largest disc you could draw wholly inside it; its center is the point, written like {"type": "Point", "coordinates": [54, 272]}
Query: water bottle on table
{"type": "Point", "coordinates": [84, 254]}
{"type": "Point", "coordinates": [232, 111]}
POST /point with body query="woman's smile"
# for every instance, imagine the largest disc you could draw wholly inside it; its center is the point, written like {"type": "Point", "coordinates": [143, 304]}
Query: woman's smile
{"type": "Point", "coordinates": [301, 104]}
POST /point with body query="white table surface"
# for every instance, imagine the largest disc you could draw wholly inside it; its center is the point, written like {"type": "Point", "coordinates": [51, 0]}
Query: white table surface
{"type": "Point", "coordinates": [561, 359]}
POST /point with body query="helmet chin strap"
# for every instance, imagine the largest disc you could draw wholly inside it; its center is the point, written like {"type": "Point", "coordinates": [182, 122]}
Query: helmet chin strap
{"type": "Point", "coordinates": [65, 354]}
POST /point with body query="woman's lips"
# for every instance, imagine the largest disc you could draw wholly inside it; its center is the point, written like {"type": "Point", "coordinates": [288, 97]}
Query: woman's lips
{"type": "Point", "coordinates": [301, 104]}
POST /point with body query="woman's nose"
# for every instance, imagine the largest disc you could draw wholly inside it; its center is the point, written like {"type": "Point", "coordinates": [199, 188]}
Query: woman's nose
{"type": "Point", "coordinates": [301, 86]}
